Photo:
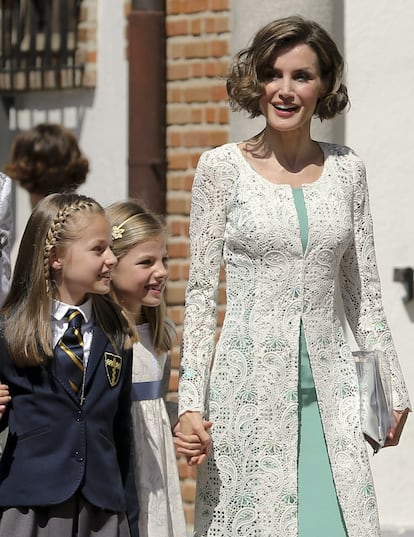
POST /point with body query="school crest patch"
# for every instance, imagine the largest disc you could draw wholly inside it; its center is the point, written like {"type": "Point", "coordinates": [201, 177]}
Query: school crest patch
{"type": "Point", "coordinates": [113, 364]}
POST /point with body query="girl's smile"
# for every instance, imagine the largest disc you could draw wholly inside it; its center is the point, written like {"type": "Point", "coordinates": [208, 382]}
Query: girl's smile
{"type": "Point", "coordinates": [155, 289]}
{"type": "Point", "coordinates": [141, 275]}
{"type": "Point", "coordinates": [105, 276]}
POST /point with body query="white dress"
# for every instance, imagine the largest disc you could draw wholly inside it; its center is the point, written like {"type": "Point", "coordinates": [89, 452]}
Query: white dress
{"type": "Point", "coordinates": [6, 221]}
{"type": "Point", "coordinates": [248, 486]}
{"type": "Point", "coordinates": [158, 487]}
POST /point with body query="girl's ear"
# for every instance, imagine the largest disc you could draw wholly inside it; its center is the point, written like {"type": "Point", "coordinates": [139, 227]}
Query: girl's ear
{"type": "Point", "coordinates": [55, 261]}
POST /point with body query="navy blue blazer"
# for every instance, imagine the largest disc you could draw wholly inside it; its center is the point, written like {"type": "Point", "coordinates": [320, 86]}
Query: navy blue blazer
{"type": "Point", "coordinates": [57, 447]}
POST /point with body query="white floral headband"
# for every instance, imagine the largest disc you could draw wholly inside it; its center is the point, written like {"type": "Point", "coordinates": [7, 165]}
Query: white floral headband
{"type": "Point", "coordinates": [118, 231]}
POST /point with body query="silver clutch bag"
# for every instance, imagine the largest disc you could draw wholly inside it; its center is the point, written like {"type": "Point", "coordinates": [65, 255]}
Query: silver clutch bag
{"type": "Point", "coordinates": [374, 377]}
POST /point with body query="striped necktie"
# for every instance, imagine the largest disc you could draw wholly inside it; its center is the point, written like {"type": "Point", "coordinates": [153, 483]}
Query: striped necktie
{"type": "Point", "coordinates": [69, 351]}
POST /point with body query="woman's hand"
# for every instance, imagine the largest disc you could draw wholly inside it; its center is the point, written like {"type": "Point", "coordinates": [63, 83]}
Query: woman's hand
{"type": "Point", "coordinates": [191, 437]}
{"type": "Point", "coordinates": [4, 398]}
{"type": "Point", "coordinates": [394, 434]}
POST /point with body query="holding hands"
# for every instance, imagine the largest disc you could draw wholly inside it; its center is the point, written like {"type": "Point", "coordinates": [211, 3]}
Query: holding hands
{"type": "Point", "coordinates": [191, 437]}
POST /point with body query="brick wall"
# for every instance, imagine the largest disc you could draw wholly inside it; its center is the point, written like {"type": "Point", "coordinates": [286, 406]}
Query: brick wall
{"type": "Point", "coordinates": [198, 47]}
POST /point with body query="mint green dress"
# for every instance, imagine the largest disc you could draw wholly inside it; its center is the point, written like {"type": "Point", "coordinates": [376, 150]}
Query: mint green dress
{"type": "Point", "coordinates": [319, 513]}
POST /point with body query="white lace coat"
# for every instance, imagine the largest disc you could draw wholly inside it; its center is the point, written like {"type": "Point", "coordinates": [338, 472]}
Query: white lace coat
{"type": "Point", "coordinates": [249, 485]}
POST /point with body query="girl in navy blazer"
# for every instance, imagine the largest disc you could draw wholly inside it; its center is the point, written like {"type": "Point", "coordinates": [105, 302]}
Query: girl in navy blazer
{"type": "Point", "coordinates": [64, 467]}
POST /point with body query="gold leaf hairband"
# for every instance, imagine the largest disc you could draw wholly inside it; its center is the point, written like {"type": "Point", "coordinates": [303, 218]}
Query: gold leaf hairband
{"type": "Point", "coordinates": [118, 231]}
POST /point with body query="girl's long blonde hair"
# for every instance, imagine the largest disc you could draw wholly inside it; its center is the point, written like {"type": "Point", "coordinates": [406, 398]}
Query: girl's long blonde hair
{"type": "Point", "coordinates": [131, 225]}
{"type": "Point", "coordinates": [26, 313]}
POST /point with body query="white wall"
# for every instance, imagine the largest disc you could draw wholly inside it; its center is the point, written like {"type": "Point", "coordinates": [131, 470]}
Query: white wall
{"type": "Point", "coordinates": [378, 44]}
{"type": "Point", "coordinates": [98, 117]}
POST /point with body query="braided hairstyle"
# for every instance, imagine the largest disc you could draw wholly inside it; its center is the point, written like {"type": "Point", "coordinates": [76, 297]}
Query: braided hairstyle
{"type": "Point", "coordinates": [27, 309]}
{"type": "Point", "coordinates": [61, 230]}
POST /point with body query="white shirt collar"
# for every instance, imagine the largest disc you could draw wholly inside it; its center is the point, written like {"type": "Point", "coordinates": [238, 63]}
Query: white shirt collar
{"type": "Point", "coordinates": [59, 309]}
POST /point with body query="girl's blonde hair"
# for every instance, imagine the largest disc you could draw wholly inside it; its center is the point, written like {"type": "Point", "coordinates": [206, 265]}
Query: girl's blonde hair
{"type": "Point", "coordinates": [26, 312]}
{"type": "Point", "coordinates": [131, 225]}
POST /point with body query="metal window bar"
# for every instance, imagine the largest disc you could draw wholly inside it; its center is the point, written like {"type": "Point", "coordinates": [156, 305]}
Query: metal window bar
{"type": "Point", "coordinates": [39, 45]}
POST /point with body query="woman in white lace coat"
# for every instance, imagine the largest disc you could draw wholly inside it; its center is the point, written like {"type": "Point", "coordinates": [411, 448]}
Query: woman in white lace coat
{"type": "Point", "coordinates": [290, 219]}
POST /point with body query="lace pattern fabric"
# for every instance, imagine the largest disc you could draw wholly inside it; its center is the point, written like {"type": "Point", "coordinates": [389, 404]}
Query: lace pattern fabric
{"type": "Point", "coordinates": [249, 484]}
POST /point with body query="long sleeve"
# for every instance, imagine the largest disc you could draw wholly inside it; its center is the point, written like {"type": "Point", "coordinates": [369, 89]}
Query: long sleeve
{"type": "Point", "coordinates": [6, 222]}
{"type": "Point", "coordinates": [361, 289]}
{"type": "Point", "coordinates": [210, 190]}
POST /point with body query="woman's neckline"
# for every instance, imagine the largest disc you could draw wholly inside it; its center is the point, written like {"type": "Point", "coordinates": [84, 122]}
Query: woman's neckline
{"type": "Point", "coordinates": [285, 185]}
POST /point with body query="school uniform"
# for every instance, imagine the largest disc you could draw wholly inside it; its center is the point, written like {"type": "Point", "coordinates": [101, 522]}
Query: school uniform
{"type": "Point", "coordinates": [61, 448]}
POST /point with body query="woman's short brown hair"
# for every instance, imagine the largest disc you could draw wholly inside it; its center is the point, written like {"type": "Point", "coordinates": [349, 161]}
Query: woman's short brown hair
{"type": "Point", "coordinates": [47, 159]}
{"type": "Point", "coordinates": [247, 74]}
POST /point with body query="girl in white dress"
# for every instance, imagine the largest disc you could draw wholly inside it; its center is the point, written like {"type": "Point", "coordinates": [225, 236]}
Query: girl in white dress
{"type": "Point", "coordinates": [139, 279]}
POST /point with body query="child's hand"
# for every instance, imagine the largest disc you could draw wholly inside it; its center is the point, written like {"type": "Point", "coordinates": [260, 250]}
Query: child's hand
{"type": "Point", "coordinates": [4, 398]}
{"type": "Point", "coordinates": [191, 445]}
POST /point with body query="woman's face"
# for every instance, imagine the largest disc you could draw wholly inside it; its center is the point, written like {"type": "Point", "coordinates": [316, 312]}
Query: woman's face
{"type": "Point", "coordinates": [292, 89]}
